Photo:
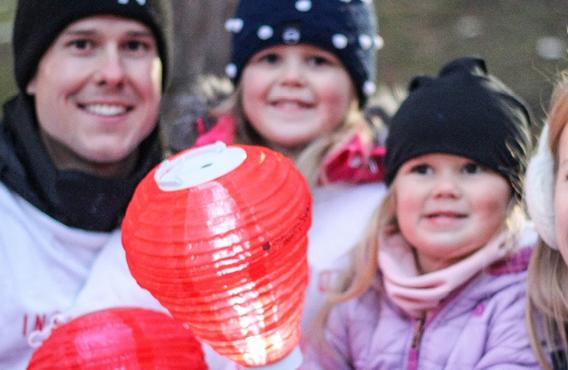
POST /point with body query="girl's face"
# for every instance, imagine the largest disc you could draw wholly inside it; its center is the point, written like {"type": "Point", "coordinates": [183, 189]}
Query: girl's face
{"type": "Point", "coordinates": [561, 196]}
{"type": "Point", "coordinates": [293, 94]}
{"type": "Point", "coordinates": [448, 207]}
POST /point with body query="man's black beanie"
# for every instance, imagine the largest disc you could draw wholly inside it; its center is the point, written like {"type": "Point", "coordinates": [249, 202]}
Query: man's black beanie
{"type": "Point", "coordinates": [466, 112]}
{"type": "Point", "coordinates": [39, 22]}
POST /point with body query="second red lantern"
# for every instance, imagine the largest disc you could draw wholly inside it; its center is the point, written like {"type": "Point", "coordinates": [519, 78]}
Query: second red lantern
{"type": "Point", "coordinates": [120, 338]}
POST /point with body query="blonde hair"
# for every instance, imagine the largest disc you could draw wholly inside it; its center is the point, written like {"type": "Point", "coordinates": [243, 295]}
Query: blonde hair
{"type": "Point", "coordinates": [362, 272]}
{"type": "Point", "coordinates": [364, 262]}
{"type": "Point", "coordinates": [309, 157]}
{"type": "Point", "coordinates": [548, 272]}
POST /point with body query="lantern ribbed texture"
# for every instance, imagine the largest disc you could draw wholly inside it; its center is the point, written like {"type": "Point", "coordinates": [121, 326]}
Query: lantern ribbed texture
{"type": "Point", "coordinates": [228, 255]}
{"type": "Point", "coordinates": [120, 338]}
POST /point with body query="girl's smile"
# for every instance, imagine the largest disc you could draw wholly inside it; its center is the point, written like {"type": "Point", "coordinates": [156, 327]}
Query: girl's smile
{"type": "Point", "coordinates": [445, 219]}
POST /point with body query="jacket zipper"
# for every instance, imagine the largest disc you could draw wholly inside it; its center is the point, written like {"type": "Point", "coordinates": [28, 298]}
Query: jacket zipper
{"type": "Point", "coordinates": [420, 326]}
{"type": "Point", "coordinates": [415, 347]}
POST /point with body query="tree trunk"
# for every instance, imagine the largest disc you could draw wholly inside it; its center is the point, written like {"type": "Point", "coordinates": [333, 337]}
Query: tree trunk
{"type": "Point", "coordinates": [202, 46]}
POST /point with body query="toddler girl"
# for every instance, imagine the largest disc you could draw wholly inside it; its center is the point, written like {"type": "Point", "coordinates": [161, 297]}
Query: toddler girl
{"type": "Point", "coordinates": [440, 283]}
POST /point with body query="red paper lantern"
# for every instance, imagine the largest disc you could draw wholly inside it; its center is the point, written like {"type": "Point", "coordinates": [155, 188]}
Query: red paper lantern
{"type": "Point", "coordinates": [218, 235]}
{"type": "Point", "coordinates": [120, 338]}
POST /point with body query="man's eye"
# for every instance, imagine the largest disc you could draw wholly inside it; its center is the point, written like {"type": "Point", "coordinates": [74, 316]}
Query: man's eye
{"type": "Point", "coordinates": [136, 46]}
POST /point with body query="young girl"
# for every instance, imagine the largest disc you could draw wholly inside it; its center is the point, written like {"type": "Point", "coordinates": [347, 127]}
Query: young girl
{"type": "Point", "coordinates": [303, 71]}
{"type": "Point", "coordinates": [546, 194]}
{"type": "Point", "coordinates": [441, 281]}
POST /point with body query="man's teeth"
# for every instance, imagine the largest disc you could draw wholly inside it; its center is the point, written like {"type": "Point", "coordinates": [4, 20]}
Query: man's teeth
{"type": "Point", "coordinates": [106, 109]}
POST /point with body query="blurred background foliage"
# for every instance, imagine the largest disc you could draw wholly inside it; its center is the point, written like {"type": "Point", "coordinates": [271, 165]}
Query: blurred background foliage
{"type": "Point", "coordinates": [7, 83]}
{"type": "Point", "coordinates": [523, 41]}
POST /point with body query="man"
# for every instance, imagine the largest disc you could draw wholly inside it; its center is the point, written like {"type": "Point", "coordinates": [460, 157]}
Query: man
{"type": "Point", "coordinates": [75, 141]}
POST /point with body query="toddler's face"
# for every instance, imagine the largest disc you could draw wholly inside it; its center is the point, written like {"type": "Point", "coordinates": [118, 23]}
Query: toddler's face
{"type": "Point", "coordinates": [293, 94]}
{"type": "Point", "coordinates": [561, 196]}
{"type": "Point", "coordinates": [448, 207]}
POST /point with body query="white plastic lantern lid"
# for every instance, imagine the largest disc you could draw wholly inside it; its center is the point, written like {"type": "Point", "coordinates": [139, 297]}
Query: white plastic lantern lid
{"type": "Point", "coordinates": [198, 166]}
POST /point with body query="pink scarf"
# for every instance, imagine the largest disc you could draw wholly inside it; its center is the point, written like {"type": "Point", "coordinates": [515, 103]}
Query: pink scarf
{"type": "Point", "coordinates": [416, 293]}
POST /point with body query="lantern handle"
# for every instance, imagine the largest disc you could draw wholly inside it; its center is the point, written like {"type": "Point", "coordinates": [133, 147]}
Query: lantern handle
{"type": "Point", "coordinates": [291, 361]}
{"type": "Point", "coordinates": [38, 336]}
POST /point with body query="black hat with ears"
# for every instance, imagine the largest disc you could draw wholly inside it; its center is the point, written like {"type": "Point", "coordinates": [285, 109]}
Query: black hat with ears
{"type": "Point", "coordinates": [463, 111]}
{"type": "Point", "coordinates": [39, 22]}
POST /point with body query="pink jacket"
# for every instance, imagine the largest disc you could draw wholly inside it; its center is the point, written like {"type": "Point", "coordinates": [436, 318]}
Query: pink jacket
{"type": "Point", "coordinates": [354, 162]}
{"type": "Point", "coordinates": [479, 326]}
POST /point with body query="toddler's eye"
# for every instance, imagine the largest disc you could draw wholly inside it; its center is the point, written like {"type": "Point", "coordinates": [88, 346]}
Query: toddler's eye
{"type": "Point", "coordinates": [421, 169]}
{"type": "Point", "coordinates": [472, 168]}
{"type": "Point", "coordinates": [80, 44]}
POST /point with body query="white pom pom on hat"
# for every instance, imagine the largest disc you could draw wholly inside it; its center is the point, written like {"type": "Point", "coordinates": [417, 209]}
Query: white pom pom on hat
{"type": "Point", "coordinates": [539, 190]}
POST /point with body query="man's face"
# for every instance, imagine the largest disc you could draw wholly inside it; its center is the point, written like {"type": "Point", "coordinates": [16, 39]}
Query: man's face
{"type": "Point", "coordinates": [97, 92]}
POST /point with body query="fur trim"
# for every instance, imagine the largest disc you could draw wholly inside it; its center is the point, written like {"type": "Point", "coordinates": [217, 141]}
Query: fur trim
{"type": "Point", "coordinates": [185, 110]}
{"type": "Point", "coordinates": [539, 190]}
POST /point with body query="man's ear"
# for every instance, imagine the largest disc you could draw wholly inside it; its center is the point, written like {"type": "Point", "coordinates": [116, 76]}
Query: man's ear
{"type": "Point", "coordinates": [31, 88]}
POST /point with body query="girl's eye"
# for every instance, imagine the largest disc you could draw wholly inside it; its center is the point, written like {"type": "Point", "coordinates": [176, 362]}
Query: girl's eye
{"type": "Point", "coordinates": [421, 169]}
{"type": "Point", "coordinates": [472, 168]}
{"type": "Point", "coordinates": [318, 60]}
{"type": "Point", "coordinates": [270, 58]}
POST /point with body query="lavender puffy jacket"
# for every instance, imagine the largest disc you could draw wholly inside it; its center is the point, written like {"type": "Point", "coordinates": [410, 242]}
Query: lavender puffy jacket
{"type": "Point", "coordinates": [480, 326]}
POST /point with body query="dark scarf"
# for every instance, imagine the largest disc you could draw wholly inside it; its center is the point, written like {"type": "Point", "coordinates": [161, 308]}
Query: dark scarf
{"type": "Point", "coordinates": [72, 197]}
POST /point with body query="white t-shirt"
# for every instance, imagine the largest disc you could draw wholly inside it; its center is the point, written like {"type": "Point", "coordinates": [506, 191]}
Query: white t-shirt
{"type": "Point", "coordinates": [341, 214]}
{"type": "Point", "coordinates": [47, 268]}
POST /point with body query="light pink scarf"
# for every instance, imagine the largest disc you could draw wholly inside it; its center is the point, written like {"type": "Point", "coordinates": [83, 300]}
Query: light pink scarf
{"type": "Point", "coordinates": [416, 293]}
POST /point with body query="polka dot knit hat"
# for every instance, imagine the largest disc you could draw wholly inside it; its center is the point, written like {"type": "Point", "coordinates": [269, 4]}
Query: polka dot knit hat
{"type": "Point", "coordinates": [346, 28]}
